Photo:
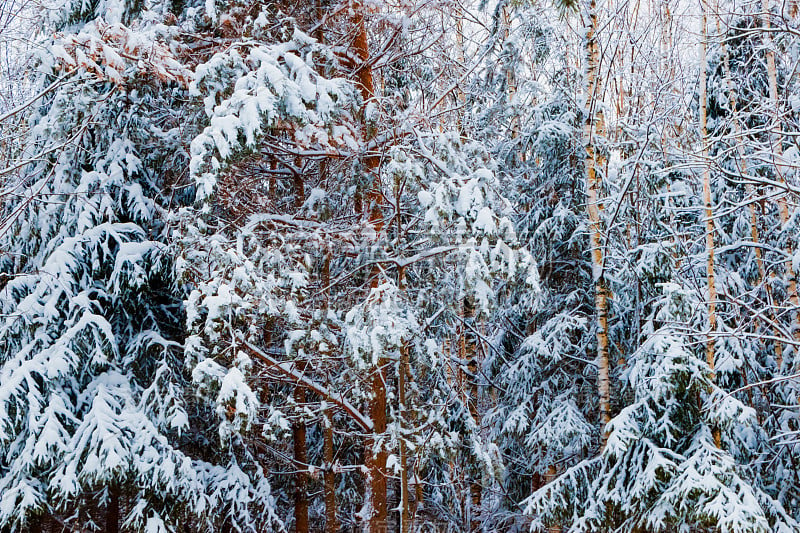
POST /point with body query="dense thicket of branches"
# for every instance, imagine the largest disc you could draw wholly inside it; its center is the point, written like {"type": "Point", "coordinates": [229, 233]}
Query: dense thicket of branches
{"type": "Point", "coordinates": [418, 265]}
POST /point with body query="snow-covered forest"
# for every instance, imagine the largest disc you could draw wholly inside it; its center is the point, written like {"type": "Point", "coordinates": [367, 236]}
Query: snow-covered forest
{"type": "Point", "coordinates": [399, 266]}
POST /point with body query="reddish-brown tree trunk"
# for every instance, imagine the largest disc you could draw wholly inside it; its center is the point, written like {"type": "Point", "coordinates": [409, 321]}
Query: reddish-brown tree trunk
{"type": "Point", "coordinates": [366, 83]}
{"type": "Point", "coordinates": [375, 459]}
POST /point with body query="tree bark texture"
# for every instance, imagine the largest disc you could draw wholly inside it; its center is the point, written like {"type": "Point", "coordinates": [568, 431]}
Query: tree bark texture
{"type": "Point", "coordinates": [375, 458]}
{"type": "Point", "coordinates": [708, 207]}
{"type": "Point", "coordinates": [594, 207]}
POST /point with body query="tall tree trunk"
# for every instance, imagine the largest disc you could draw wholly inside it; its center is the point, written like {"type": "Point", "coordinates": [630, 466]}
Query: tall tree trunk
{"type": "Point", "coordinates": [366, 84]}
{"type": "Point", "coordinates": [708, 208]}
{"type": "Point", "coordinates": [405, 496]}
{"type": "Point", "coordinates": [593, 118]}
{"type": "Point", "coordinates": [301, 464]}
{"type": "Point", "coordinates": [375, 459]}
{"type": "Point", "coordinates": [777, 155]}
{"type": "Point", "coordinates": [476, 483]}
{"type": "Point", "coordinates": [299, 425]}
{"type": "Point", "coordinates": [329, 476]}
{"type": "Point", "coordinates": [510, 75]}
{"type": "Point", "coordinates": [667, 48]}
{"type": "Point", "coordinates": [461, 59]}
{"type": "Point", "coordinates": [403, 375]}
{"type": "Point", "coordinates": [469, 354]}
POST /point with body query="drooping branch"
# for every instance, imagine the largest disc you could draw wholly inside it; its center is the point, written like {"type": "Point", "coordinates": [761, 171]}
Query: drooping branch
{"type": "Point", "coordinates": [288, 369]}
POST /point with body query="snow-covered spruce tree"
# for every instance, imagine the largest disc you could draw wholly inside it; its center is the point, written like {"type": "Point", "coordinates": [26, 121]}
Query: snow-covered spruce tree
{"type": "Point", "coordinates": [662, 469]}
{"type": "Point", "coordinates": [544, 401]}
{"type": "Point", "coordinates": [96, 429]}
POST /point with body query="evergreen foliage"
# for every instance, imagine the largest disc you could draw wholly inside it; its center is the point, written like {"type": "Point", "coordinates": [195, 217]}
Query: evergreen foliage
{"type": "Point", "coordinates": [413, 265]}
